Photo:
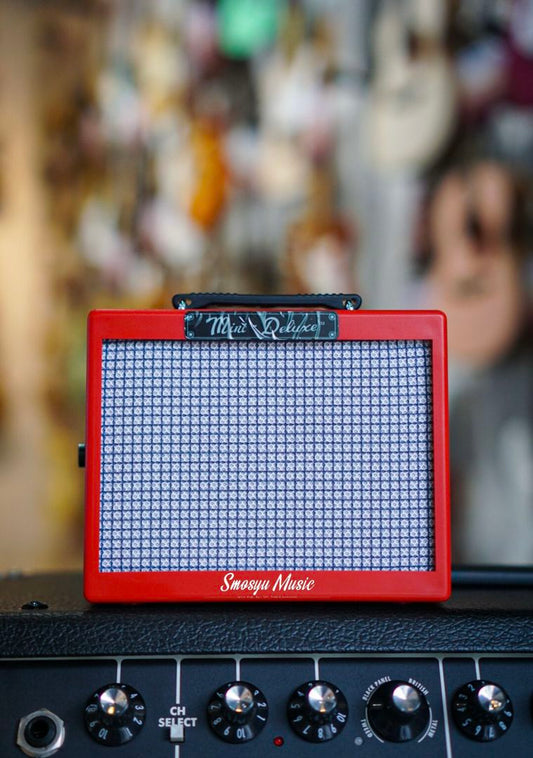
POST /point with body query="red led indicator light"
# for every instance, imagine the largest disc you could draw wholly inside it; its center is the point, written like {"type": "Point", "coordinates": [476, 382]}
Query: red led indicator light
{"type": "Point", "coordinates": [278, 741]}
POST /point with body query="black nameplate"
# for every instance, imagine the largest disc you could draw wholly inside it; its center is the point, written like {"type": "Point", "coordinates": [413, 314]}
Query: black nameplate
{"type": "Point", "coordinates": [261, 325]}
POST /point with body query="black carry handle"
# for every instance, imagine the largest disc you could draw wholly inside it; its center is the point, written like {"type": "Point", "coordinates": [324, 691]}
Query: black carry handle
{"type": "Point", "coordinates": [214, 299]}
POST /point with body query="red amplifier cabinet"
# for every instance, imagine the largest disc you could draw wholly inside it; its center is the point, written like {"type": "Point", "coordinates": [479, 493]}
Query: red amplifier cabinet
{"type": "Point", "coordinates": [277, 453]}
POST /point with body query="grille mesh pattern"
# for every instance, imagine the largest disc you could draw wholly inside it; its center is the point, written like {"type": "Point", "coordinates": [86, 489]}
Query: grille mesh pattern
{"type": "Point", "coordinates": [266, 456]}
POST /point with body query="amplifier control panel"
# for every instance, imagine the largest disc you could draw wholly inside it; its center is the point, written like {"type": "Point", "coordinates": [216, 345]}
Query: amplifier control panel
{"type": "Point", "coordinates": [268, 706]}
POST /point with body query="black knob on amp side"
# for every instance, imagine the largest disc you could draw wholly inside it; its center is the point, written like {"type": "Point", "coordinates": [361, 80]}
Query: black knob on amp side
{"type": "Point", "coordinates": [482, 710]}
{"type": "Point", "coordinates": [317, 711]}
{"type": "Point", "coordinates": [398, 711]}
{"type": "Point", "coordinates": [237, 712]}
{"type": "Point", "coordinates": [115, 714]}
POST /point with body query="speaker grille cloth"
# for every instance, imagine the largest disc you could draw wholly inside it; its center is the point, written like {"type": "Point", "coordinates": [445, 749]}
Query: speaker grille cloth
{"type": "Point", "coordinates": [266, 456]}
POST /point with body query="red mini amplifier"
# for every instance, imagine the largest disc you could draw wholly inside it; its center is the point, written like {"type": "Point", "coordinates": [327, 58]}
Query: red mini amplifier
{"type": "Point", "coordinates": [266, 449]}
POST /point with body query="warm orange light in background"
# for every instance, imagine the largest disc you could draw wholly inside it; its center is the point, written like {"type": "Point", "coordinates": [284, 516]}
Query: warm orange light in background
{"type": "Point", "coordinates": [165, 146]}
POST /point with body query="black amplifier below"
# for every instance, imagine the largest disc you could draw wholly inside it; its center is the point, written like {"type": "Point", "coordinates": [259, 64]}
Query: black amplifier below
{"type": "Point", "coordinates": [350, 679]}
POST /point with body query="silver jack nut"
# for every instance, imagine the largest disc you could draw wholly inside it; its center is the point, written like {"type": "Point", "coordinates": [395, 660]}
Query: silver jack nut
{"type": "Point", "coordinates": [40, 733]}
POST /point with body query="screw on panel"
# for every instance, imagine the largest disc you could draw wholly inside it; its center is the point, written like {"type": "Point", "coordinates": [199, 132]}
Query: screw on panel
{"type": "Point", "coordinates": [34, 605]}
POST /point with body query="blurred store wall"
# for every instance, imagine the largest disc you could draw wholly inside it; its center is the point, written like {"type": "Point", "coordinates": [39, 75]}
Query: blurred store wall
{"type": "Point", "coordinates": [148, 148]}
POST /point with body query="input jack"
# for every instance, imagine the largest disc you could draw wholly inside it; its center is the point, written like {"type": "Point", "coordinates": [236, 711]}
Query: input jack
{"type": "Point", "coordinates": [40, 733]}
